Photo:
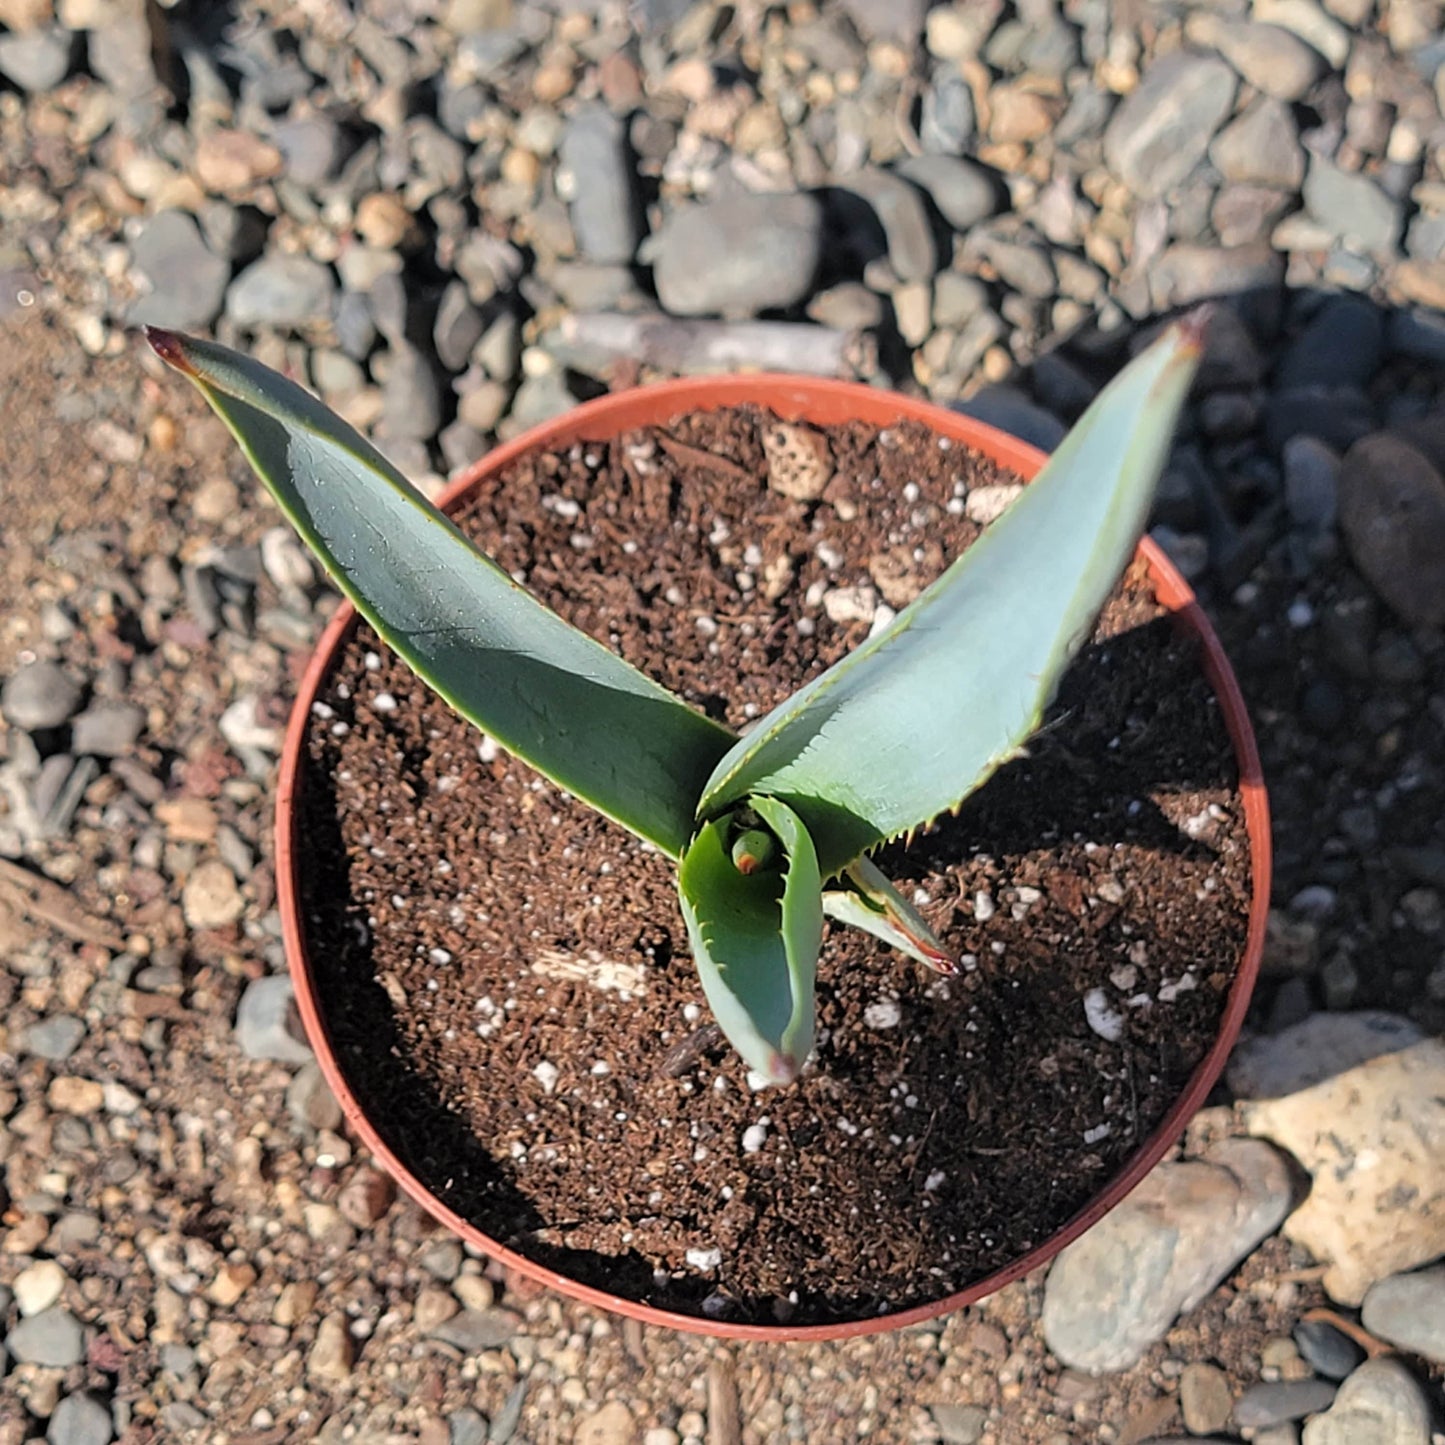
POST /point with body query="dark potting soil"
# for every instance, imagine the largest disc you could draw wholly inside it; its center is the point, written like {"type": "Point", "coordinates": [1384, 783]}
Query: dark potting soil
{"type": "Point", "coordinates": [506, 975]}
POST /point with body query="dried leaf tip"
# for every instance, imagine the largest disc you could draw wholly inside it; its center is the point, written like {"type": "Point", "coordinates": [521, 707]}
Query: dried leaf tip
{"type": "Point", "coordinates": [170, 347]}
{"type": "Point", "coordinates": [1193, 327]}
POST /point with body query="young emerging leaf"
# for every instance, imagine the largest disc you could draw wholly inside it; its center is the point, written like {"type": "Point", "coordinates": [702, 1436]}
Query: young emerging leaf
{"type": "Point", "coordinates": [920, 716]}
{"type": "Point", "coordinates": [867, 900]}
{"type": "Point", "coordinates": [755, 939]}
{"type": "Point", "coordinates": [545, 691]}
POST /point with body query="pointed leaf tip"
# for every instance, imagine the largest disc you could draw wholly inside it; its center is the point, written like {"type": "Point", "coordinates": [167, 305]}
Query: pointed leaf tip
{"type": "Point", "coordinates": [1194, 327]}
{"type": "Point", "coordinates": [170, 346]}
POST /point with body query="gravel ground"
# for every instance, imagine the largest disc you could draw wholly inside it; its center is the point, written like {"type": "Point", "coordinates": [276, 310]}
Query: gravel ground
{"type": "Point", "coordinates": [456, 217]}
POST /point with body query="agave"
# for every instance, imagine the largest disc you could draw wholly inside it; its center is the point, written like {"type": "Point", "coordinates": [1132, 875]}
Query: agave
{"type": "Point", "coordinates": [771, 831]}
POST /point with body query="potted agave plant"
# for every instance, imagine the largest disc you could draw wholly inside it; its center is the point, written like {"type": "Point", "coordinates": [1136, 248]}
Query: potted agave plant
{"type": "Point", "coordinates": [770, 834]}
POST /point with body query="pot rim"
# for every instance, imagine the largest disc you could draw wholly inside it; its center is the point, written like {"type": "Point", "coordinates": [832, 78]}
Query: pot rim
{"type": "Point", "coordinates": [821, 402]}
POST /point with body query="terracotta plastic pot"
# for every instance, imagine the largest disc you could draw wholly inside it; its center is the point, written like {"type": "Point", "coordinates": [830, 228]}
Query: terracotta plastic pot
{"type": "Point", "coordinates": [821, 402]}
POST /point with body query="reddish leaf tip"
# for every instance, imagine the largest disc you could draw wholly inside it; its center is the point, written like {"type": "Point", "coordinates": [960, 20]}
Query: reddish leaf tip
{"type": "Point", "coordinates": [170, 346]}
{"type": "Point", "coordinates": [1193, 326]}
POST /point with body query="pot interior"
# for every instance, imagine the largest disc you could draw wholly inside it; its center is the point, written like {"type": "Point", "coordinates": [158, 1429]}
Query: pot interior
{"type": "Point", "coordinates": [498, 983]}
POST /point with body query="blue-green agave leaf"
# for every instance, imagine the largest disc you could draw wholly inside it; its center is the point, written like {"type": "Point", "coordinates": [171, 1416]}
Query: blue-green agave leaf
{"type": "Point", "coordinates": [918, 717]}
{"type": "Point", "coordinates": [755, 938]}
{"type": "Point", "coordinates": [545, 691]}
{"type": "Point", "coordinates": [867, 900]}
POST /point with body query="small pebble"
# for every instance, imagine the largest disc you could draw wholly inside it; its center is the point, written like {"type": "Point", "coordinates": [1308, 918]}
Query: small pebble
{"type": "Point", "coordinates": [1328, 1351]}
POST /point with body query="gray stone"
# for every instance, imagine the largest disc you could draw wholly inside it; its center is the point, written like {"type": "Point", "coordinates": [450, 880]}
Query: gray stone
{"type": "Point", "coordinates": [1382, 1403]}
{"type": "Point", "coordinates": [1051, 51]}
{"type": "Point", "coordinates": [849, 306]}
{"type": "Point", "coordinates": [1368, 124]}
{"type": "Point", "coordinates": [963, 193]}
{"type": "Point", "coordinates": [59, 790]}
{"type": "Point", "coordinates": [1274, 1402]}
{"type": "Point", "coordinates": [900, 21]}
{"type": "Point", "coordinates": [1272, 59]}
{"type": "Point", "coordinates": [488, 53]}
{"type": "Point", "coordinates": [1163, 128]}
{"type": "Point", "coordinates": [499, 352]}
{"type": "Point", "coordinates": [314, 148]}
{"type": "Point", "coordinates": [335, 374]}
{"type": "Point", "coordinates": [107, 728]}
{"type": "Point", "coordinates": [1010, 410]}
{"type": "Point", "coordinates": [947, 122]}
{"type": "Point", "coordinates": [1352, 208]}
{"type": "Point", "coordinates": [1341, 346]}
{"type": "Point", "coordinates": [1327, 1351]}
{"type": "Point", "coordinates": [267, 1024]}
{"type": "Point", "coordinates": [281, 291]}
{"type": "Point", "coordinates": [458, 328]}
{"type": "Point", "coordinates": [466, 1427]}
{"type": "Point", "coordinates": [1425, 240]}
{"type": "Point", "coordinates": [178, 1360]}
{"type": "Point", "coordinates": [957, 299]}
{"type": "Point", "coordinates": [1418, 334]}
{"type": "Point", "coordinates": [604, 207]}
{"type": "Point", "coordinates": [234, 233]}
{"type": "Point", "coordinates": [39, 696]}
{"type": "Point", "coordinates": [1243, 213]}
{"type": "Point", "coordinates": [411, 396]}
{"type": "Point", "coordinates": [1020, 260]}
{"type": "Point", "coordinates": [959, 1424]}
{"type": "Point", "coordinates": [309, 1099]}
{"type": "Point", "coordinates": [442, 1260]}
{"type": "Point", "coordinates": [355, 329]}
{"type": "Point", "coordinates": [740, 256]}
{"type": "Point", "coordinates": [504, 1422]}
{"type": "Point", "coordinates": [1409, 1311]}
{"type": "Point", "coordinates": [1088, 113]}
{"type": "Point", "coordinates": [188, 279]}
{"type": "Point", "coordinates": [1338, 415]}
{"type": "Point", "coordinates": [974, 339]}
{"type": "Point", "coordinates": [1310, 23]}
{"type": "Point", "coordinates": [538, 399]}
{"type": "Point", "coordinates": [54, 1038]}
{"type": "Point", "coordinates": [473, 1330]}
{"type": "Point", "coordinates": [1187, 273]}
{"type": "Point", "coordinates": [1113, 1293]}
{"type": "Point", "coordinates": [1324, 1045]}
{"type": "Point", "coordinates": [481, 404]}
{"type": "Point", "coordinates": [591, 286]}
{"type": "Point", "coordinates": [461, 445]}
{"type": "Point", "coordinates": [37, 59]}
{"type": "Point", "coordinates": [1392, 514]}
{"type": "Point", "coordinates": [903, 216]}
{"type": "Point", "coordinates": [1261, 147]}
{"type": "Point", "coordinates": [659, 15]}
{"type": "Point", "coordinates": [121, 52]}
{"type": "Point", "coordinates": [1311, 485]}
{"type": "Point", "coordinates": [53, 1338]}
{"type": "Point", "coordinates": [80, 1420]}
{"type": "Point", "coordinates": [1205, 1400]}
{"type": "Point", "coordinates": [180, 1417]}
